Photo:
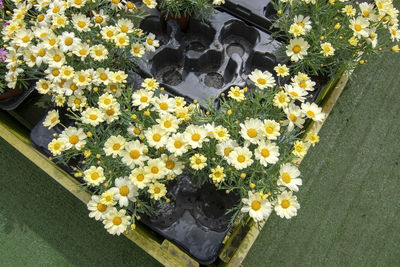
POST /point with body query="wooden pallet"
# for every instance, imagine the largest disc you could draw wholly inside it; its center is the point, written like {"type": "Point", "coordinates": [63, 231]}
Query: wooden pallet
{"type": "Point", "coordinates": [237, 243]}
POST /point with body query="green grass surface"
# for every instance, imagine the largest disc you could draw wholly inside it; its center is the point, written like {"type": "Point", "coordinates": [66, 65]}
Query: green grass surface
{"type": "Point", "coordinates": [350, 198]}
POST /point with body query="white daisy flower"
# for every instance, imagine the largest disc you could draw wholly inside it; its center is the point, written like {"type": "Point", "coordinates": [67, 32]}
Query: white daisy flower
{"type": "Point", "coordinates": [139, 177]}
{"type": "Point", "coordinates": [138, 50]}
{"type": "Point", "coordinates": [281, 99]}
{"type": "Point", "coordinates": [94, 176]}
{"type": "Point", "coordinates": [55, 58]}
{"type": "Point", "coordinates": [198, 161]}
{"type": "Point", "coordinates": [217, 174]}
{"type": "Point", "coordinates": [295, 92]}
{"type": "Point", "coordinates": [134, 154]}
{"type": "Point", "coordinates": [73, 137]}
{"type": "Point", "coordinates": [295, 117]}
{"type": "Point", "coordinates": [150, 84]}
{"type": "Point", "coordinates": [150, 3]}
{"type": "Point", "coordinates": [99, 52]}
{"type": "Point", "coordinates": [119, 77]}
{"type": "Point", "coordinates": [109, 32]}
{"type": "Point", "coordinates": [106, 100]}
{"type": "Point", "coordinates": [82, 51]}
{"type": "Point", "coordinates": [151, 44]}
{"type": "Point", "coordinates": [67, 73]}
{"type": "Point", "coordinates": [236, 93]}
{"type": "Point", "coordinates": [56, 146]}
{"type": "Point", "coordinates": [327, 49]}
{"type": "Point", "coordinates": [81, 22]}
{"type": "Point", "coordinates": [92, 116]}
{"type": "Point", "coordinates": [82, 78]}
{"type": "Point", "coordinates": [258, 208]}
{"type": "Point", "coordinates": [261, 79]}
{"type": "Point", "coordinates": [304, 22]}
{"type": "Point", "coordinates": [155, 169]}
{"type": "Point", "coordinates": [124, 191]}
{"type": "Point", "coordinates": [281, 70]}
{"type": "Point", "coordinates": [173, 165]}
{"type": "Point", "coordinates": [240, 158]}
{"type": "Point", "coordinates": [225, 148]}
{"type": "Point", "coordinates": [220, 133]}
{"type": "Point", "coordinates": [195, 136]}
{"type": "Point", "coordinates": [168, 122]}
{"type": "Point", "coordinates": [142, 98]}
{"type": "Point", "coordinates": [116, 221]}
{"type": "Point", "coordinates": [271, 129]}
{"type": "Point", "coordinates": [177, 144]}
{"type": "Point", "coordinates": [286, 205]}
{"type": "Point", "coordinates": [313, 111]}
{"type": "Point", "coordinates": [125, 26]}
{"type": "Point", "coordinates": [251, 130]}
{"type": "Point", "coordinates": [288, 176]}
{"type": "Point", "coordinates": [164, 103]}
{"type": "Point", "coordinates": [156, 136]}
{"type": "Point", "coordinates": [303, 81]}
{"type": "Point", "coordinates": [68, 41]}
{"type": "Point", "coordinates": [114, 146]}
{"type": "Point", "coordinates": [52, 119]}
{"type": "Point", "coordinates": [97, 210]}
{"type": "Point", "coordinates": [267, 153]}
{"type": "Point", "coordinates": [367, 11]}
{"type": "Point", "coordinates": [359, 26]}
{"type": "Point", "coordinates": [77, 101]}
{"type": "Point", "coordinates": [297, 49]}
{"type": "Point", "coordinates": [112, 112]}
{"type": "Point", "coordinates": [157, 190]}
{"type": "Point", "coordinates": [99, 19]}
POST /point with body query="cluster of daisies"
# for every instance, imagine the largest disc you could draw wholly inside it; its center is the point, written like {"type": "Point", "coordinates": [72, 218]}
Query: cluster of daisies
{"type": "Point", "coordinates": [135, 143]}
{"type": "Point", "coordinates": [74, 45]}
{"type": "Point", "coordinates": [321, 33]}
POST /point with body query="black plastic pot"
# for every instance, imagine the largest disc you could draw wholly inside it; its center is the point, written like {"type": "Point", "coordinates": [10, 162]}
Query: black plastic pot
{"type": "Point", "coordinates": [10, 100]}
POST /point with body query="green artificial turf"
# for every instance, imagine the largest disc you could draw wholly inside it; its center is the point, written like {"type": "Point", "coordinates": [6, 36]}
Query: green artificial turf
{"type": "Point", "coordinates": [350, 198]}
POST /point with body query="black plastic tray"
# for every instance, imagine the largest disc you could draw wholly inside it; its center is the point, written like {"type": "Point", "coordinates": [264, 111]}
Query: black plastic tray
{"type": "Point", "coordinates": [13, 102]}
{"type": "Point", "coordinates": [209, 57]}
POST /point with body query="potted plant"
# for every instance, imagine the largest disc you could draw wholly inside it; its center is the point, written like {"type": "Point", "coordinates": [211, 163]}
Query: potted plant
{"type": "Point", "coordinates": [182, 10]}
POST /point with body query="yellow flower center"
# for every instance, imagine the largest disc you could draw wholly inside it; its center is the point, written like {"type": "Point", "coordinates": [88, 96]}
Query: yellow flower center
{"type": "Point", "coordinates": [177, 144]}
{"type": "Point", "coordinates": [98, 53]}
{"type": "Point", "coordinates": [156, 137]}
{"type": "Point", "coordinates": [310, 113]}
{"type": "Point", "coordinates": [269, 129]}
{"type": "Point", "coordinates": [365, 13]}
{"type": "Point", "coordinates": [77, 102]}
{"type": "Point", "coordinates": [198, 161]}
{"type": "Point", "coordinates": [124, 29]}
{"type": "Point", "coordinates": [78, 2]}
{"type": "Point", "coordinates": [170, 164]}
{"type": "Point", "coordinates": [130, 5]}
{"type": "Point", "coordinates": [261, 81]}
{"type": "Point", "coordinates": [136, 131]}
{"type": "Point", "coordinates": [241, 158]}
{"type": "Point", "coordinates": [56, 10]}
{"type": "Point", "coordinates": [357, 27]}
{"type": "Point", "coordinates": [296, 49]}
{"type": "Point", "coordinates": [285, 204]}
{"type": "Point", "coordinates": [41, 52]}
{"type": "Point", "coordinates": [82, 78]}
{"type": "Point", "coordinates": [154, 170]}
{"type": "Point", "coordinates": [57, 146]}
{"type": "Point", "coordinates": [149, 41]}
{"type": "Point", "coordinates": [68, 41]}
{"type": "Point", "coordinates": [252, 133]}
{"type": "Point", "coordinates": [140, 177]}
{"type": "Point", "coordinates": [293, 117]}
{"type": "Point", "coordinates": [53, 120]}
{"type": "Point", "coordinates": [157, 190]}
{"type": "Point", "coordinates": [60, 21]}
{"type": "Point", "coordinates": [83, 52]}
{"type": "Point", "coordinates": [301, 24]}
{"type": "Point", "coordinates": [26, 39]}
{"type": "Point", "coordinates": [255, 205]}
{"type": "Point", "coordinates": [136, 50]}
{"type": "Point", "coordinates": [293, 93]}
{"type": "Point", "coordinates": [101, 207]}
{"type": "Point", "coordinates": [236, 93]}
{"type": "Point", "coordinates": [52, 42]}
{"type": "Point", "coordinates": [98, 19]}
{"type": "Point", "coordinates": [116, 146]}
{"type": "Point", "coordinates": [227, 151]}
{"type": "Point", "coordinates": [196, 137]}
{"type": "Point", "coordinates": [302, 84]}
{"type": "Point", "coordinates": [124, 191]}
{"type": "Point", "coordinates": [94, 176]}
{"type": "Point", "coordinates": [110, 34]}
{"type": "Point", "coordinates": [217, 174]}
{"type": "Point", "coordinates": [81, 24]}
{"type": "Point", "coordinates": [117, 220]}
{"type": "Point", "coordinates": [115, 1]}
{"type": "Point", "coordinates": [93, 117]}
{"type": "Point", "coordinates": [265, 152]}
{"type": "Point", "coordinates": [134, 154]}
{"type": "Point", "coordinates": [40, 18]}
{"type": "Point", "coordinates": [57, 58]}
{"type": "Point", "coordinates": [286, 177]}
{"type": "Point", "coordinates": [164, 106]}
{"type": "Point", "coordinates": [73, 139]}
{"type": "Point", "coordinates": [167, 124]}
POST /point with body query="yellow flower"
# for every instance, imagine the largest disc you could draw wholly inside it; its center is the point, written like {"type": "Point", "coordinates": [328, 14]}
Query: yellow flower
{"type": "Point", "coordinates": [217, 174]}
{"type": "Point", "coordinates": [198, 161]}
{"type": "Point", "coordinates": [300, 149]}
{"type": "Point", "coordinates": [353, 41]}
{"type": "Point", "coordinates": [313, 138]}
{"type": "Point", "coordinates": [396, 48]}
{"type": "Point", "coordinates": [327, 49]}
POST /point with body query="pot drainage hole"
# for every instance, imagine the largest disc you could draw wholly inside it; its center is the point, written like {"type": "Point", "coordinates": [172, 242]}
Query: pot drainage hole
{"type": "Point", "coordinates": [214, 79]}
{"type": "Point", "coordinates": [235, 48]}
{"type": "Point", "coordinates": [172, 77]}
